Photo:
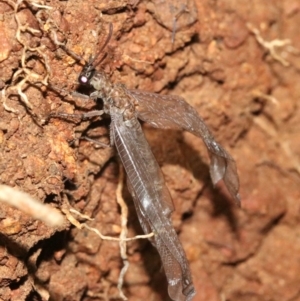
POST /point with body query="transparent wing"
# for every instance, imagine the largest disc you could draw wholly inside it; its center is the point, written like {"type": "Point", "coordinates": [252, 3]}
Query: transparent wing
{"type": "Point", "coordinates": [177, 291]}
{"type": "Point", "coordinates": [148, 189]}
{"type": "Point", "coordinates": [173, 112]}
{"type": "Point", "coordinates": [140, 150]}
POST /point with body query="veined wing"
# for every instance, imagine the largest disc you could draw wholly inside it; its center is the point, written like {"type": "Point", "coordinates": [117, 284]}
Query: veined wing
{"type": "Point", "coordinates": [176, 289]}
{"type": "Point", "coordinates": [171, 265]}
{"type": "Point", "coordinates": [154, 215]}
{"type": "Point", "coordinates": [173, 112]}
{"type": "Point", "coordinates": [140, 150]}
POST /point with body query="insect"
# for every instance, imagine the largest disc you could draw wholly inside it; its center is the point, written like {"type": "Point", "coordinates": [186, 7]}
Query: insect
{"type": "Point", "coordinates": [145, 181]}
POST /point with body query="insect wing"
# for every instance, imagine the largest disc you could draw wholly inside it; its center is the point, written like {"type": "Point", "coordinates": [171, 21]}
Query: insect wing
{"type": "Point", "coordinates": [173, 112]}
{"type": "Point", "coordinates": [153, 211]}
{"type": "Point", "coordinates": [171, 266]}
{"type": "Point", "coordinates": [130, 139]}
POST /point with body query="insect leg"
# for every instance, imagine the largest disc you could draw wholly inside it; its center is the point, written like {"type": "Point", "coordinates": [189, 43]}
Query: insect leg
{"type": "Point", "coordinates": [76, 116]}
{"type": "Point", "coordinates": [104, 145]}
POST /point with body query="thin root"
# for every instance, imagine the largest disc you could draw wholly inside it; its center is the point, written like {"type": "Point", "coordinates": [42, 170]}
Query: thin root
{"type": "Point", "coordinates": [272, 46]}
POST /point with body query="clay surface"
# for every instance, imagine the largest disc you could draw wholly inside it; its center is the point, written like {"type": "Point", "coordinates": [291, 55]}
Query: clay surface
{"type": "Point", "coordinates": [236, 62]}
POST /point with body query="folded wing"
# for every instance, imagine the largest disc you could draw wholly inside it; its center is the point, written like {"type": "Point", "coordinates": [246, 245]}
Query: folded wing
{"type": "Point", "coordinates": [173, 112]}
{"type": "Point", "coordinates": [152, 201]}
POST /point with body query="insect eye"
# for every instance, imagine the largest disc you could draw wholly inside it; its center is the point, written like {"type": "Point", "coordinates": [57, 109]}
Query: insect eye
{"type": "Point", "coordinates": [83, 79]}
{"type": "Point", "coordinates": [86, 74]}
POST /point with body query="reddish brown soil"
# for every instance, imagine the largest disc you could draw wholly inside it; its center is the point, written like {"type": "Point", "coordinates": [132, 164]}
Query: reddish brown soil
{"type": "Point", "coordinates": [247, 95]}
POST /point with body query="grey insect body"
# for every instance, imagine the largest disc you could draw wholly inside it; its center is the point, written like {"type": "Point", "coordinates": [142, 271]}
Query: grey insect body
{"type": "Point", "coordinates": [152, 199]}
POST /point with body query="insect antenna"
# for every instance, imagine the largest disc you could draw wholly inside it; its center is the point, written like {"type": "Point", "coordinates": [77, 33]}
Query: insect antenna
{"type": "Point", "coordinates": [89, 67]}
{"type": "Point", "coordinates": [74, 55]}
{"type": "Point", "coordinates": [93, 62]}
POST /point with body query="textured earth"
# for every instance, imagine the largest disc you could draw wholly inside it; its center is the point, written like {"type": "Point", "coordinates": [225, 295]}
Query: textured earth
{"type": "Point", "coordinates": [236, 62]}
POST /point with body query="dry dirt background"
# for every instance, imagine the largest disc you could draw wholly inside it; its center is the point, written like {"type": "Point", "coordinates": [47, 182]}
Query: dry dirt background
{"type": "Point", "coordinates": [237, 63]}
